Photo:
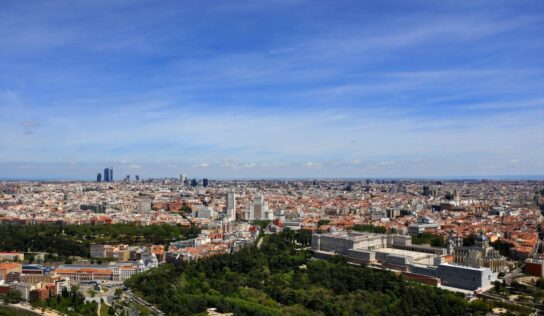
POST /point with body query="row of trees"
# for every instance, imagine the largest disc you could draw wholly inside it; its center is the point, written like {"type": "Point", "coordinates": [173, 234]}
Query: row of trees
{"type": "Point", "coordinates": [130, 233]}
{"type": "Point", "coordinates": [12, 297]}
{"type": "Point", "coordinates": [369, 228]}
{"type": "Point", "coordinates": [69, 303]}
{"type": "Point", "coordinates": [74, 240]}
{"type": "Point", "coordinates": [9, 311]}
{"type": "Point", "coordinates": [429, 239]}
{"type": "Point", "coordinates": [282, 279]}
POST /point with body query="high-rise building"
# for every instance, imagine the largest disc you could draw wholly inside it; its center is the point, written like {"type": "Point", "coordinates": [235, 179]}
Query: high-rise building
{"type": "Point", "coordinates": [194, 183]}
{"type": "Point", "coordinates": [111, 174]}
{"type": "Point", "coordinates": [231, 206]}
{"type": "Point", "coordinates": [205, 182]}
{"type": "Point", "coordinates": [258, 210]}
{"type": "Point", "coordinates": [137, 177]}
{"type": "Point", "coordinates": [99, 177]}
{"type": "Point", "coordinates": [107, 175]}
{"type": "Point", "coordinates": [182, 178]}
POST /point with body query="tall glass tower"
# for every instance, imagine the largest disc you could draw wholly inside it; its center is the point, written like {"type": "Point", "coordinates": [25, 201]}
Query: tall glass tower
{"type": "Point", "coordinates": [107, 175]}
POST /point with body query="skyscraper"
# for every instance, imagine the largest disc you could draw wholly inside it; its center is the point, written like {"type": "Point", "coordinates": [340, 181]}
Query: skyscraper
{"type": "Point", "coordinates": [99, 177]}
{"type": "Point", "coordinates": [231, 206]}
{"type": "Point", "coordinates": [111, 174]}
{"type": "Point", "coordinates": [107, 175]}
{"type": "Point", "coordinates": [205, 182]}
{"type": "Point", "coordinates": [182, 178]}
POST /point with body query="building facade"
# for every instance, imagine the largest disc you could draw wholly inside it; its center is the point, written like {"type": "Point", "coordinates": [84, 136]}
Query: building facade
{"type": "Point", "coordinates": [231, 206]}
{"type": "Point", "coordinates": [258, 209]}
{"type": "Point", "coordinates": [397, 252]}
{"type": "Point", "coordinates": [478, 256]}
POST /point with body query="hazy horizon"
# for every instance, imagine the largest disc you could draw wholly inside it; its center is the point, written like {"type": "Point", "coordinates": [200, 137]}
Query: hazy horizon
{"type": "Point", "coordinates": [505, 178]}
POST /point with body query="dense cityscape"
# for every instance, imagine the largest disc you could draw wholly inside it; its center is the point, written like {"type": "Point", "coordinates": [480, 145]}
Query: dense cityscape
{"type": "Point", "coordinates": [480, 239]}
{"type": "Point", "coordinates": [271, 158]}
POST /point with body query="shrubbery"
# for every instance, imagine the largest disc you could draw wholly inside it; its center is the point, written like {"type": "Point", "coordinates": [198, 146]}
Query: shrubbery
{"type": "Point", "coordinates": [280, 279]}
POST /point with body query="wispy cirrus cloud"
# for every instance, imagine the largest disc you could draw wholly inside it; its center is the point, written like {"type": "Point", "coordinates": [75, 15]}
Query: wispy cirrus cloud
{"type": "Point", "coordinates": [29, 126]}
{"type": "Point", "coordinates": [201, 165]}
{"type": "Point", "coordinates": [368, 90]}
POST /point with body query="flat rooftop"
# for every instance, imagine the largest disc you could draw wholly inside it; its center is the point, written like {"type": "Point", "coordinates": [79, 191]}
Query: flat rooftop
{"type": "Point", "coordinates": [351, 235]}
{"type": "Point", "coordinates": [417, 257]}
{"type": "Point", "coordinates": [459, 266]}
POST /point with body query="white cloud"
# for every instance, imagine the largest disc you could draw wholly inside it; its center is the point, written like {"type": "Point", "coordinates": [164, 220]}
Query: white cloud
{"type": "Point", "coordinates": [386, 163]}
{"type": "Point", "coordinates": [29, 126]}
{"type": "Point", "coordinates": [316, 165]}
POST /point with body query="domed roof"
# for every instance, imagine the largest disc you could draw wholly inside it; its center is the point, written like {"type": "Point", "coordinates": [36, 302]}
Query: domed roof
{"type": "Point", "coordinates": [481, 238]}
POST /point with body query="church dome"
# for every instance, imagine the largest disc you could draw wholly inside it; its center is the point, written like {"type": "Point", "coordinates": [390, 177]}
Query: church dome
{"type": "Point", "coordinates": [481, 238]}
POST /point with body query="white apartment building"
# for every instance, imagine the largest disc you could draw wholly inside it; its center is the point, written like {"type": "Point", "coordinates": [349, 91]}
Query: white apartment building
{"type": "Point", "coordinates": [258, 209]}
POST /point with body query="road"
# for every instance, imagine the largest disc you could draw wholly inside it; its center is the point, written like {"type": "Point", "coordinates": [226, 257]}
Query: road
{"type": "Point", "coordinates": [504, 300]}
{"type": "Point", "coordinates": [260, 242]}
{"type": "Point", "coordinates": [27, 307]}
{"type": "Point", "coordinates": [144, 303]}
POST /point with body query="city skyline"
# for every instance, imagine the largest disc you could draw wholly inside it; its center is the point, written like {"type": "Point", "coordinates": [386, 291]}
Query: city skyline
{"type": "Point", "coordinates": [279, 89]}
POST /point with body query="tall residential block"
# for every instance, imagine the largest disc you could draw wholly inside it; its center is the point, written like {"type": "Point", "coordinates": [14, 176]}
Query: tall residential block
{"type": "Point", "coordinates": [231, 206]}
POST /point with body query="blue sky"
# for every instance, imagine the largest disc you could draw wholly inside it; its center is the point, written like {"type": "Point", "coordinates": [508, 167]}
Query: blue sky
{"type": "Point", "coordinates": [271, 88]}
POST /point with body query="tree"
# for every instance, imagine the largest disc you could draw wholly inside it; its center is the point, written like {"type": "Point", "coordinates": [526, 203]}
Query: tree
{"type": "Point", "coordinates": [498, 286]}
{"type": "Point", "coordinates": [322, 222]}
{"type": "Point", "coordinates": [469, 240]}
{"type": "Point", "coordinates": [13, 297]}
{"type": "Point", "coordinates": [263, 224]}
{"type": "Point", "coordinates": [502, 246]}
{"type": "Point", "coordinates": [369, 228]}
{"type": "Point", "coordinates": [185, 209]}
{"type": "Point", "coordinates": [74, 240]}
{"type": "Point", "coordinates": [280, 279]}
{"type": "Point", "coordinates": [430, 239]}
{"type": "Point", "coordinates": [479, 307]}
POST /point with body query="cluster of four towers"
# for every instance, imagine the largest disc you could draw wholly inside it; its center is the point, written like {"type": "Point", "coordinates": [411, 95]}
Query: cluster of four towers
{"type": "Point", "coordinates": [108, 175]}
